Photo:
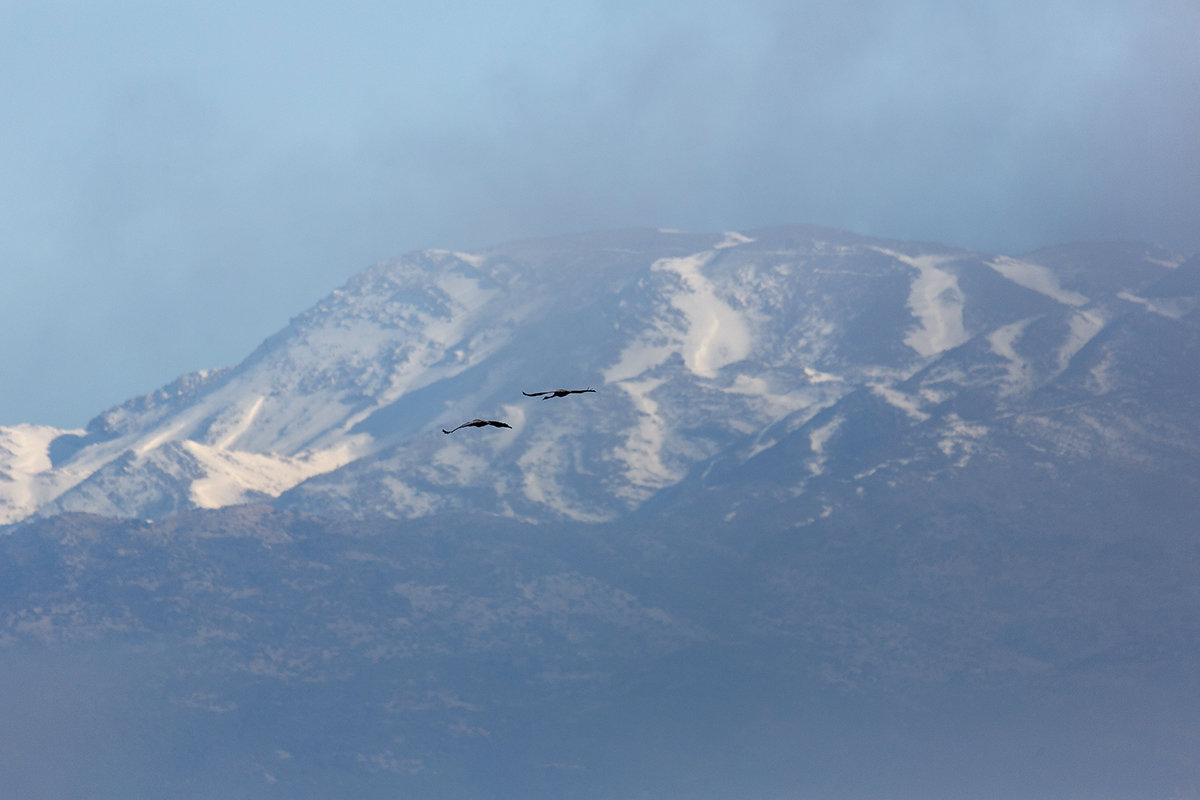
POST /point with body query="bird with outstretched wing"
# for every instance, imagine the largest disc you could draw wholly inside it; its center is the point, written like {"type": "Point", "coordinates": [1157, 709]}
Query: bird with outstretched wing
{"type": "Point", "coordinates": [556, 393]}
{"type": "Point", "coordinates": [479, 423]}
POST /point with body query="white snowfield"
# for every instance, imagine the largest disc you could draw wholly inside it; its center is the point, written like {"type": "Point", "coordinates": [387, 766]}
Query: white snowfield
{"type": "Point", "coordinates": [698, 345]}
{"type": "Point", "coordinates": [936, 302]}
{"type": "Point", "coordinates": [27, 479]}
{"type": "Point", "coordinates": [1036, 277]}
{"type": "Point", "coordinates": [1019, 375]}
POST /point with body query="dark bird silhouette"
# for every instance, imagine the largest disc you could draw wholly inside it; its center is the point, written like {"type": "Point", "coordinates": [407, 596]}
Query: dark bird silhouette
{"type": "Point", "coordinates": [479, 423]}
{"type": "Point", "coordinates": [556, 393]}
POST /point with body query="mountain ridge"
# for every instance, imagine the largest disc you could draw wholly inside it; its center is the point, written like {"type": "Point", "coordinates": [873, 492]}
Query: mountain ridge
{"type": "Point", "coordinates": [844, 517]}
{"type": "Point", "coordinates": [743, 329]}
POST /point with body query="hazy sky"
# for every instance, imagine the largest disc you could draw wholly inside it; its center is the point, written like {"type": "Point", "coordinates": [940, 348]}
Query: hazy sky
{"type": "Point", "coordinates": [182, 178]}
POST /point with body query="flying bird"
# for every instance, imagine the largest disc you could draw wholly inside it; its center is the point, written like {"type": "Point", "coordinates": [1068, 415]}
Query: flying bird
{"type": "Point", "coordinates": [479, 423]}
{"type": "Point", "coordinates": [556, 393]}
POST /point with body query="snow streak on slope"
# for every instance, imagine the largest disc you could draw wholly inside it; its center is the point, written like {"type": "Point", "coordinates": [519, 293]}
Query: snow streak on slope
{"type": "Point", "coordinates": [732, 239]}
{"type": "Point", "coordinates": [817, 440]}
{"type": "Point", "coordinates": [716, 335]}
{"type": "Point", "coordinates": [1037, 278]}
{"type": "Point", "coordinates": [1003, 341]}
{"type": "Point", "coordinates": [543, 465]}
{"type": "Point", "coordinates": [937, 303]}
{"type": "Point", "coordinates": [961, 439]}
{"type": "Point", "coordinates": [26, 476]}
{"type": "Point", "coordinates": [642, 453]}
{"type": "Point", "coordinates": [898, 399]}
{"type": "Point", "coordinates": [1084, 325]}
{"type": "Point", "coordinates": [713, 334]}
{"type": "Point", "coordinates": [238, 426]}
{"type": "Point", "coordinates": [1171, 308]}
{"type": "Point", "coordinates": [238, 476]}
{"type": "Point", "coordinates": [769, 405]}
{"type": "Point", "coordinates": [816, 376]}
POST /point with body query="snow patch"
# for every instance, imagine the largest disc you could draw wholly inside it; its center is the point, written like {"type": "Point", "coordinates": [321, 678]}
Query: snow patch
{"type": "Point", "coordinates": [713, 336]}
{"type": "Point", "coordinates": [1082, 327]}
{"type": "Point", "coordinates": [637, 359]}
{"type": "Point", "coordinates": [235, 476]}
{"type": "Point", "coordinates": [732, 239]}
{"type": "Point", "coordinates": [936, 301]}
{"type": "Point", "coordinates": [27, 478]}
{"type": "Point", "coordinates": [1003, 341]}
{"type": "Point", "coordinates": [816, 376]}
{"type": "Point", "coordinates": [160, 436]}
{"type": "Point", "coordinates": [540, 465]}
{"type": "Point", "coordinates": [456, 463]}
{"type": "Point", "coordinates": [1170, 308]}
{"type": "Point", "coordinates": [772, 404]}
{"type": "Point", "coordinates": [1104, 379]}
{"type": "Point", "coordinates": [748, 384]}
{"type": "Point", "coordinates": [1169, 263]}
{"type": "Point", "coordinates": [25, 448]}
{"type": "Point", "coordinates": [1036, 277]}
{"type": "Point", "coordinates": [464, 291]}
{"type": "Point", "coordinates": [961, 438]}
{"type": "Point", "coordinates": [642, 452]}
{"type": "Point", "coordinates": [817, 439]}
{"type": "Point", "coordinates": [238, 424]}
{"type": "Point", "coordinates": [473, 259]}
{"type": "Point", "coordinates": [406, 501]}
{"type": "Point", "coordinates": [906, 403]}
{"type": "Point", "coordinates": [716, 335]}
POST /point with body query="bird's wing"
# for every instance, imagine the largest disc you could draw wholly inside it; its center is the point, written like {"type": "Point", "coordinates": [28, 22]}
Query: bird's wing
{"type": "Point", "coordinates": [452, 430]}
{"type": "Point", "coordinates": [534, 394]}
{"type": "Point", "coordinates": [498, 424]}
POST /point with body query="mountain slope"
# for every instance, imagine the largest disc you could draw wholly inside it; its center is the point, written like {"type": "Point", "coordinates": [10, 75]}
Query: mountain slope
{"type": "Point", "coordinates": [844, 517]}
{"type": "Point", "coordinates": [698, 345]}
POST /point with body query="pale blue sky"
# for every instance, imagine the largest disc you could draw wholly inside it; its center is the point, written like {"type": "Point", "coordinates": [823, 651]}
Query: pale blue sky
{"type": "Point", "coordinates": [182, 178]}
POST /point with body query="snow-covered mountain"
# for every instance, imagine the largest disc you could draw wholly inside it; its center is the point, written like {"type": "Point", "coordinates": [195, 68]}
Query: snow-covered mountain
{"type": "Point", "coordinates": [702, 348]}
{"type": "Point", "coordinates": [843, 517]}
